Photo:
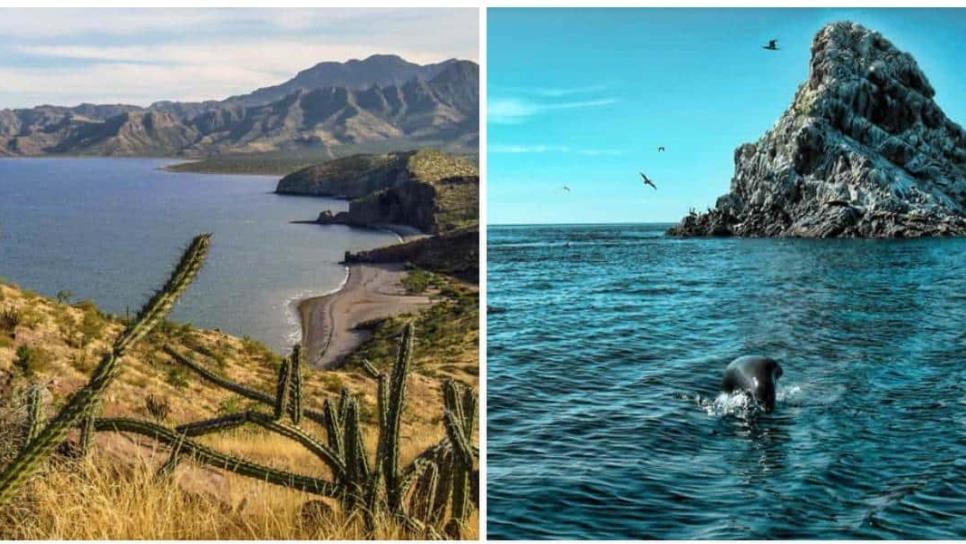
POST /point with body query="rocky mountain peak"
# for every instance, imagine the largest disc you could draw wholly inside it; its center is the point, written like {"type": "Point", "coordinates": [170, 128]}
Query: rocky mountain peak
{"type": "Point", "coordinates": [862, 151]}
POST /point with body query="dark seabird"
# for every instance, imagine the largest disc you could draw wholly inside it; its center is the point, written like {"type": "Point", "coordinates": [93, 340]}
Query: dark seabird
{"type": "Point", "coordinates": [647, 181]}
{"type": "Point", "coordinates": [565, 188]}
{"type": "Point", "coordinates": [660, 148]}
{"type": "Point", "coordinates": [772, 45]}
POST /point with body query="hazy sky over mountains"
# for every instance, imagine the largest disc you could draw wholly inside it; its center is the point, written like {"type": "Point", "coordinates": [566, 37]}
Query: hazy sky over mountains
{"type": "Point", "coordinates": [138, 56]}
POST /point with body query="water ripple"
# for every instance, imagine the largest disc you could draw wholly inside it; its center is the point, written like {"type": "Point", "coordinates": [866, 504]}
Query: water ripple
{"type": "Point", "coordinates": [605, 419]}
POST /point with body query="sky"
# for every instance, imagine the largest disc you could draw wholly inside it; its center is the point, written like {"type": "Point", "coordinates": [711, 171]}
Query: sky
{"type": "Point", "coordinates": [138, 56]}
{"type": "Point", "coordinates": [583, 98]}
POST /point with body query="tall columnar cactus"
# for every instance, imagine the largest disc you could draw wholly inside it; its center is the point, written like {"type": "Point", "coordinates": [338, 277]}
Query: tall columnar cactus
{"type": "Point", "coordinates": [282, 387]}
{"type": "Point", "coordinates": [295, 387]}
{"type": "Point", "coordinates": [393, 402]}
{"type": "Point", "coordinates": [36, 452]}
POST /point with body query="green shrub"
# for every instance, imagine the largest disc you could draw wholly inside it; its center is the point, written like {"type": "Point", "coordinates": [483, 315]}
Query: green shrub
{"type": "Point", "coordinates": [92, 324]}
{"type": "Point", "coordinates": [30, 317]}
{"type": "Point", "coordinates": [30, 360]}
{"type": "Point", "coordinates": [231, 405]}
{"type": "Point", "coordinates": [82, 362]}
{"type": "Point", "coordinates": [177, 377]}
{"type": "Point", "coordinates": [9, 319]}
{"type": "Point", "coordinates": [418, 281]}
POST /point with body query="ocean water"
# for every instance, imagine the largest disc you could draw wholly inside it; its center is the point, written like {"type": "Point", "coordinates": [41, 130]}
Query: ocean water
{"type": "Point", "coordinates": [111, 229]}
{"type": "Point", "coordinates": [606, 345]}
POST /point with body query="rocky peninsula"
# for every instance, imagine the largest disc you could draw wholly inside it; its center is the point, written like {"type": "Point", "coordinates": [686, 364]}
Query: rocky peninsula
{"type": "Point", "coordinates": [863, 151]}
{"type": "Point", "coordinates": [427, 190]}
{"type": "Point", "coordinates": [428, 197]}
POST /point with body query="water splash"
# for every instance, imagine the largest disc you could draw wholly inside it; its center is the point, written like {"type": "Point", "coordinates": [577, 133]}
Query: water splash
{"type": "Point", "coordinates": [728, 404]}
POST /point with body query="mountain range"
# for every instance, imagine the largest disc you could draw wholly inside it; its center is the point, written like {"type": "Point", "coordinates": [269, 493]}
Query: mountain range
{"type": "Point", "coordinates": [382, 101]}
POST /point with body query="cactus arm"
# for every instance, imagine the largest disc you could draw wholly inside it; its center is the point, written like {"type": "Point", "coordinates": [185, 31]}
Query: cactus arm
{"type": "Point", "coordinates": [207, 375]}
{"type": "Point", "coordinates": [370, 370]}
{"type": "Point", "coordinates": [231, 421]}
{"type": "Point", "coordinates": [458, 438]}
{"type": "Point", "coordinates": [424, 492]}
{"type": "Point", "coordinates": [242, 390]}
{"type": "Point", "coordinates": [333, 428]}
{"type": "Point", "coordinates": [443, 487]}
{"type": "Point", "coordinates": [357, 466]}
{"type": "Point", "coordinates": [36, 452]}
{"type": "Point", "coordinates": [161, 303]}
{"type": "Point", "coordinates": [172, 463]}
{"type": "Point", "coordinates": [460, 490]}
{"type": "Point", "coordinates": [211, 457]}
{"type": "Point", "coordinates": [86, 442]}
{"type": "Point", "coordinates": [323, 452]}
{"type": "Point", "coordinates": [34, 414]}
{"type": "Point", "coordinates": [207, 426]}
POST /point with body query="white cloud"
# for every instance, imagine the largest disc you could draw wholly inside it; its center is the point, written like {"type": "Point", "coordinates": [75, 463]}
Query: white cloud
{"type": "Point", "coordinates": [67, 56]}
{"type": "Point", "coordinates": [551, 92]}
{"type": "Point", "coordinates": [516, 110]}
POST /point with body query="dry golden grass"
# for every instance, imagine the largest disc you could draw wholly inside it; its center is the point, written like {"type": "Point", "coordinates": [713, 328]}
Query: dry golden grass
{"type": "Point", "coordinates": [94, 499]}
{"type": "Point", "coordinates": [114, 494]}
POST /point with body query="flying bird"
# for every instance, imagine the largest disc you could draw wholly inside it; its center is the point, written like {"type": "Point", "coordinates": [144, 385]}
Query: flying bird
{"type": "Point", "coordinates": [660, 148]}
{"type": "Point", "coordinates": [647, 181]}
{"type": "Point", "coordinates": [772, 45]}
{"type": "Point", "coordinates": [565, 188]}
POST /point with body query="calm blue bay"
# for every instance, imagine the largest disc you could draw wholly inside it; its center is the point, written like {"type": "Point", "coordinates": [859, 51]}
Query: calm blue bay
{"type": "Point", "coordinates": [606, 346]}
{"type": "Point", "coordinates": [111, 229]}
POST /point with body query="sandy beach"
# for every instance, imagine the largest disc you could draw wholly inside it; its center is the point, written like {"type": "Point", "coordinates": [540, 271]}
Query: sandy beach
{"type": "Point", "coordinates": [372, 291]}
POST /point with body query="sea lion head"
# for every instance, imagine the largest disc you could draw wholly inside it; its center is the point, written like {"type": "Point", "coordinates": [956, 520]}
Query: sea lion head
{"type": "Point", "coordinates": [765, 382]}
{"type": "Point", "coordinates": [755, 376]}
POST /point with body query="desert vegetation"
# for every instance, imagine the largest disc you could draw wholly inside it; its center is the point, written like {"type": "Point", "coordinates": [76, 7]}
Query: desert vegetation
{"type": "Point", "coordinates": [274, 452]}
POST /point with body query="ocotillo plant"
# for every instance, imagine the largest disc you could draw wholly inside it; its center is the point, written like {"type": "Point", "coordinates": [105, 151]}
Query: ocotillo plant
{"type": "Point", "coordinates": [81, 403]}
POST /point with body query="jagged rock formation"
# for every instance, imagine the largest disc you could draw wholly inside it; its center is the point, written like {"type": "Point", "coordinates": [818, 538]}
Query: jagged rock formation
{"type": "Point", "coordinates": [863, 151]}
{"type": "Point", "coordinates": [429, 190]}
{"type": "Point", "coordinates": [380, 101]}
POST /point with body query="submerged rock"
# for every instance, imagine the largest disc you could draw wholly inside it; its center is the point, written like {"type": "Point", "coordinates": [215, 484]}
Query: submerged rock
{"type": "Point", "coordinates": [863, 151]}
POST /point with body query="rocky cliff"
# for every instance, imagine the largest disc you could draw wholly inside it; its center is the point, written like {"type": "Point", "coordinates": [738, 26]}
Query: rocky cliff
{"type": "Point", "coordinates": [381, 102]}
{"type": "Point", "coordinates": [349, 177]}
{"type": "Point", "coordinates": [863, 151]}
{"type": "Point", "coordinates": [456, 253]}
{"type": "Point", "coordinates": [429, 190]}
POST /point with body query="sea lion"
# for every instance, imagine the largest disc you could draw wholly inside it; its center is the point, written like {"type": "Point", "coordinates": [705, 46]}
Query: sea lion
{"type": "Point", "coordinates": [755, 375]}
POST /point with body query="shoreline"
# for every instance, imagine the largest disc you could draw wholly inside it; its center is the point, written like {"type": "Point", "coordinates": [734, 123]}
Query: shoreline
{"type": "Point", "coordinates": [330, 322]}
